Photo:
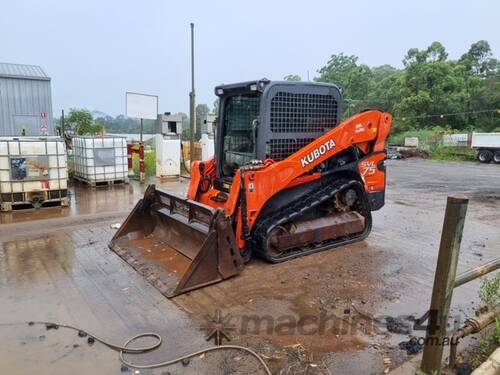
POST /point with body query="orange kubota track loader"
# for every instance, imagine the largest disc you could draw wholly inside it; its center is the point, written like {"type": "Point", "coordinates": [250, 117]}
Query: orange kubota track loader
{"type": "Point", "coordinates": [288, 179]}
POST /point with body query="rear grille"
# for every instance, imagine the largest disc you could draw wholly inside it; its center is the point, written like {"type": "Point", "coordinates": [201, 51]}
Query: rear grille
{"type": "Point", "coordinates": [282, 148]}
{"type": "Point", "coordinates": [302, 113]}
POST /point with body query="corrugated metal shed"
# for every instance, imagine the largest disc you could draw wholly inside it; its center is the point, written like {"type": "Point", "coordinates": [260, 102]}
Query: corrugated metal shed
{"type": "Point", "coordinates": [25, 101]}
{"type": "Point", "coordinates": [23, 71]}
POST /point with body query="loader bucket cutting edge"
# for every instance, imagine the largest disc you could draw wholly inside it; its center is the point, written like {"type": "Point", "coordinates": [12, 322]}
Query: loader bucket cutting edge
{"type": "Point", "coordinates": [177, 244]}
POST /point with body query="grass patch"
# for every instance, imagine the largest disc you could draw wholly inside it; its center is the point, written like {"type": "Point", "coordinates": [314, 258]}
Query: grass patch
{"type": "Point", "coordinates": [449, 153]}
{"type": "Point", "coordinates": [149, 160]}
{"type": "Point", "coordinates": [487, 344]}
{"type": "Point", "coordinates": [430, 140]}
{"type": "Point", "coordinates": [423, 135]}
{"type": "Point", "coordinates": [490, 291]}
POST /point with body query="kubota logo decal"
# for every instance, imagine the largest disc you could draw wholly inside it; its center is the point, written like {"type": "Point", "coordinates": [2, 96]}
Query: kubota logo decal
{"type": "Point", "coordinates": [317, 152]}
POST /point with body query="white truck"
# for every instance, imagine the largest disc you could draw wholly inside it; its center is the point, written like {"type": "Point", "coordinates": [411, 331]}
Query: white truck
{"type": "Point", "coordinates": [487, 146]}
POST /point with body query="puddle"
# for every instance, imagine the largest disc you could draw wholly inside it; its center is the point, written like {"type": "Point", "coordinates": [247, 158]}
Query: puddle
{"type": "Point", "coordinates": [89, 200]}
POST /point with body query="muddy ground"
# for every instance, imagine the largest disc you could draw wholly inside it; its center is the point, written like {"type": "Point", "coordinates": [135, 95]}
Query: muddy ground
{"type": "Point", "coordinates": [321, 314]}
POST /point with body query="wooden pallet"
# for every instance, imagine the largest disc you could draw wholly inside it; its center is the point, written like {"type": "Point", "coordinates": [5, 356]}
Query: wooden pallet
{"type": "Point", "coordinates": [21, 206]}
{"type": "Point", "coordinates": [118, 181]}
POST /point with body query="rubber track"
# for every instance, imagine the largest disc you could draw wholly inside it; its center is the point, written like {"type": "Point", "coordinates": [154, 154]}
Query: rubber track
{"type": "Point", "coordinates": [299, 208]}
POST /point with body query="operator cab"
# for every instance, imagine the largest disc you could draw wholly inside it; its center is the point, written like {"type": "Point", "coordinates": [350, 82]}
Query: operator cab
{"type": "Point", "coordinates": [270, 119]}
{"type": "Point", "coordinates": [241, 119]}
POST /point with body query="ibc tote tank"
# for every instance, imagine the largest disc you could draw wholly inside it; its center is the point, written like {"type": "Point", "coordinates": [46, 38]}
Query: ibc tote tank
{"type": "Point", "coordinates": [33, 172]}
{"type": "Point", "coordinates": [100, 160]}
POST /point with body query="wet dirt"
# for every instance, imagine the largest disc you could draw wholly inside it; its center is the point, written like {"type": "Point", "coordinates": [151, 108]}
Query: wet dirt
{"type": "Point", "coordinates": [388, 275]}
{"type": "Point", "coordinates": [324, 312]}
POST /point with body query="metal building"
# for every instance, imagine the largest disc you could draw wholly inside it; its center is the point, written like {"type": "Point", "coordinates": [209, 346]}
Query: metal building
{"type": "Point", "coordinates": [25, 101]}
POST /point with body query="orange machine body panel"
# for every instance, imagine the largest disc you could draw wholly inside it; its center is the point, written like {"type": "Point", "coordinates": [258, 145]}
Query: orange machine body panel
{"type": "Point", "coordinates": [368, 131]}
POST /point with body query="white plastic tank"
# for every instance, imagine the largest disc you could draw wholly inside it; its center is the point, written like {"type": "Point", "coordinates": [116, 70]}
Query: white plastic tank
{"type": "Point", "coordinates": [168, 144]}
{"type": "Point", "coordinates": [207, 146]}
{"type": "Point", "coordinates": [207, 140]}
{"type": "Point", "coordinates": [168, 156]}
{"type": "Point", "coordinates": [33, 172]}
{"type": "Point", "coordinates": [100, 159]}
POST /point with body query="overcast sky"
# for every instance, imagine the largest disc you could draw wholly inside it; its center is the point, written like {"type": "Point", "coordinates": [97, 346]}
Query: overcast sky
{"type": "Point", "coordinates": [96, 50]}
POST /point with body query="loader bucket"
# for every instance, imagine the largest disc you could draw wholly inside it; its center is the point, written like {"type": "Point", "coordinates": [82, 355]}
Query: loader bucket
{"type": "Point", "coordinates": [177, 244]}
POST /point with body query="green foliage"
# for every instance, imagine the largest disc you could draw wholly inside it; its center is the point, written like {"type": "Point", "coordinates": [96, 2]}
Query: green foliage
{"type": "Point", "coordinates": [80, 122]}
{"type": "Point", "coordinates": [490, 290]}
{"type": "Point", "coordinates": [430, 91]}
{"type": "Point", "coordinates": [447, 153]}
{"type": "Point", "coordinates": [201, 111]}
{"type": "Point", "coordinates": [344, 71]}
{"type": "Point", "coordinates": [90, 129]}
{"type": "Point", "coordinates": [292, 77]}
{"type": "Point", "coordinates": [423, 135]}
{"type": "Point", "coordinates": [430, 139]}
{"type": "Point", "coordinates": [215, 106]}
{"type": "Point", "coordinates": [127, 125]}
{"type": "Point", "coordinates": [149, 160]}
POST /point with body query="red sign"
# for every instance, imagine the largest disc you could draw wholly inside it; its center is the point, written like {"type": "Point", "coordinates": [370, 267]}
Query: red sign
{"type": "Point", "coordinates": [43, 114]}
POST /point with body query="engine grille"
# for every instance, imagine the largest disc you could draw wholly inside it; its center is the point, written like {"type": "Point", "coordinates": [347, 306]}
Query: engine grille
{"type": "Point", "coordinates": [282, 148]}
{"type": "Point", "coordinates": [302, 112]}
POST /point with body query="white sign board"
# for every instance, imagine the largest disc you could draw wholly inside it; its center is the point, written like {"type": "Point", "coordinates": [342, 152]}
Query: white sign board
{"type": "Point", "coordinates": [141, 105]}
{"type": "Point", "coordinates": [411, 142]}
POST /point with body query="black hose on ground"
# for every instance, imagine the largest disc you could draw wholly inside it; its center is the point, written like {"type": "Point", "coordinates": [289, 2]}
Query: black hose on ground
{"type": "Point", "coordinates": [125, 349]}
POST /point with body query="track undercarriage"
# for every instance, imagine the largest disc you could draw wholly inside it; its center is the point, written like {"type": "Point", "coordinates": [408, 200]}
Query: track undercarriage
{"type": "Point", "coordinates": [333, 216]}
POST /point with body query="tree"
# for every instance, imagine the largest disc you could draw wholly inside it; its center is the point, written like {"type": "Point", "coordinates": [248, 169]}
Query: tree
{"type": "Point", "coordinates": [186, 132]}
{"type": "Point", "coordinates": [356, 81]}
{"type": "Point", "coordinates": [292, 77]}
{"type": "Point", "coordinates": [80, 121]}
{"type": "Point", "coordinates": [215, 106]}
{"type": "Point", "coordinates": [386, 88]}
{"type": "Point", "coordinates": [436, 52]}
{"type": "Point", "coordinates": [124, 124]}
{"type": "Point", "coordinates": [202, 111]}
{"type": "Point", "coordinates": [431, 90]}
{"type": "Point", "coordinates": [432, 87]}
{"type": "Point", "coordinates": [478, 59]}
{"type": "Point", "coordinates": [414, 56]}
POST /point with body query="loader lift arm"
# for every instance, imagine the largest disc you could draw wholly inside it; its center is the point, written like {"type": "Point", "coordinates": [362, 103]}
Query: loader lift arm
{"type": "Point", "coordinates": [368, 131]}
